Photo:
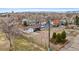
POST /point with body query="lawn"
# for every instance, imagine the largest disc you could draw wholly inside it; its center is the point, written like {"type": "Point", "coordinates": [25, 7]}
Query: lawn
{"type": "Point", "coordinates": [23, 44]}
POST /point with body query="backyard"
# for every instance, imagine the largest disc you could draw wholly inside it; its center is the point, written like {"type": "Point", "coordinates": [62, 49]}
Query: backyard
{"type": "Point", "coordinates": [23, 44]}
{"type": "Point", "coordinates": [20, 44]}
{"type": "Point", "coordinates": [38, 41]}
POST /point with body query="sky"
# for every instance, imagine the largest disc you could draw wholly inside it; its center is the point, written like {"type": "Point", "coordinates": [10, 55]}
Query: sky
{"type": "Point", "coordinates": [3, 10]}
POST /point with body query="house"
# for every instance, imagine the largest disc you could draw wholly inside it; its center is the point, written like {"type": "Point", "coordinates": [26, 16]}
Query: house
{"type": "Point", "coordinates": [24, 20]}
{"type": "Point", "coordinates": [55, 22]}
{"type": "Point", "coordinates": [4, 15]}
{"type": "Point", "coordinates": [43, 24]}
{"type": "Point", "coordinates": [69, 20]}
{"type": "Point", "coordinates": [63, 21]}
{"type": "Point", "coordinates": [29, 22]}
{"type": "Point", "coordinates": [33, 28]}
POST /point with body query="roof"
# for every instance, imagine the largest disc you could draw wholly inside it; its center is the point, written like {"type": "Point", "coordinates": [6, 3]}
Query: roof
{"type": "Point", "coordinates": [56, 21]}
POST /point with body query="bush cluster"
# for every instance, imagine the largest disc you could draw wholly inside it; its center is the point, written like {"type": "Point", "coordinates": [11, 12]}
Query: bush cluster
{"type": "Point", "coordinates": [59, 37]}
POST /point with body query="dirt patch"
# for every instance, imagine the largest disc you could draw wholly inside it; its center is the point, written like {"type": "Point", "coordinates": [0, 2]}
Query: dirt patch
{"type": "Point", "coordinates": [4, 44]}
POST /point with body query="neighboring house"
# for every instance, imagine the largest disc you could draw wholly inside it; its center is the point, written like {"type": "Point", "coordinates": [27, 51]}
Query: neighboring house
{"type": "Point", "coordinates": [67, 20]}
{"type": "Point", "coordinates": [46, 25]}
{"type": "Point", "coordinates": [62, 22]}
{"type": "Point", "coordinates": [4, 15]}
{"type": "Point", "coordinates": [29, 22]}
{"type": "Point", "coordinates": [43, 24]}
{"type": "Point", "coordinates": [55, 22]}
{"type": "Point", "coordinates": [33, 28]}
{"type": "Point", "coordinates": [24, 20]}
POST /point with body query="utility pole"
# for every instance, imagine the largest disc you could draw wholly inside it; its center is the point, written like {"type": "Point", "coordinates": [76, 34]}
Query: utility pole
{"type": "Point", "coordinates": [48, 20]}
{"type": "Point", "coordinates": [49, 49]}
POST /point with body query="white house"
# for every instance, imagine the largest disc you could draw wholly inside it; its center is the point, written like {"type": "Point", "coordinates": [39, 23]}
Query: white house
{"type": "Point", "coordinates": [29, 22]}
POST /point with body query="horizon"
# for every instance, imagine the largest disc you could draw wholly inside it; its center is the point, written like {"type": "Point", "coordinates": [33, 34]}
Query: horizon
{"type": "Point", "coordinates": [3, 10]}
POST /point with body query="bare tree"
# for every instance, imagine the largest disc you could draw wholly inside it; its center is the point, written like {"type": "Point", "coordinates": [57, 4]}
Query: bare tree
{"type": "Point", "coordinates": [8, 26]}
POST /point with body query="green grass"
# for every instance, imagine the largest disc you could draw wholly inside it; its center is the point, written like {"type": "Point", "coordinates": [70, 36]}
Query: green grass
{"type": "Point", "coordinates": [23, 44]}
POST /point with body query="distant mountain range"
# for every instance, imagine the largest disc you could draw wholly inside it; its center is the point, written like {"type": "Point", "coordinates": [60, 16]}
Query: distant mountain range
{"type": "Point", "coordinates": [50, 12]}
{"type": "Point", "coordinates": [46, 12]}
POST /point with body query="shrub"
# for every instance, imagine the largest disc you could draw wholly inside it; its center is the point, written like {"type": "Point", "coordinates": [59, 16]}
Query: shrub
{"type": "Point", "coordinates": [77, 20]}
{"type": "Point", "coordinates": [63, 36]}
{"type": "Point", "coordinates": [53, 39]}
{"type": "Point", "coordinates": [58, 38]}
{"type": "Point", "coordinates": [54, 35]}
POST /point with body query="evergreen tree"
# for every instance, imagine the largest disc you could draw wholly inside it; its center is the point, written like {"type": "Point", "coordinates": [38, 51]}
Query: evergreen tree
{"type": "Point", "coordinates": [63, 35]}
{"type": "Point", "coordinates": [77, 20]}
{"type": "Point", "coordinates": [54, 35]}
{"type": "Point", "coordinates": [53, 39]}
{"type": "Point", "coordinates": [58, 38]}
